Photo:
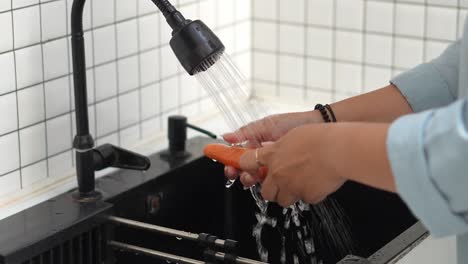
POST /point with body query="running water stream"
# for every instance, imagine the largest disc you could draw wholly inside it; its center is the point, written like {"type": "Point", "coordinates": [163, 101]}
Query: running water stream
{"type": "Point", "coordinates": [301, 226]}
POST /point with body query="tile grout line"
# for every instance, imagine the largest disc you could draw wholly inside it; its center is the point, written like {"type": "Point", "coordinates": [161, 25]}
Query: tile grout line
{"type": "Point", "coordinates": [306, 51]}
{"type": "Point", "coordinates": [252, 42]}
{"type": "Point", "coordinates": [140, 92]}
{"type": "Point", "coordinates": [93, 52]}
{"type": "Point", "coordinates": [17, 100]}
{"type": "Point", "coordinates": [394, 17]}
{"type": "Point", "coordinates": [364, 46]}
{"type": "Point", "coordinates": [160, 72]}
{"type": "Point", "coordinates": [43, 90]}
{"type": "Point", "coordinates": [424, 38]}
{"type": "Point", "coordinates": [69, 78]}
{"type": "Point", "coordinates": [178, 80]}
{"type": "Point", "coordinates": [458, 19]}
{"type": "Point", "coordinates": [117, 76]}
{"type": "Point", "coordinates": [333, 60]}
{"type": "Point", "coordinates": [278, 48]}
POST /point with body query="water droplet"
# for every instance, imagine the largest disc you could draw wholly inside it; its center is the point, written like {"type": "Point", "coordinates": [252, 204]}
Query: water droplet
{"type": "Point", "coordinates": [229, 183]}
{"type": "Point", "coordinates": [273, 222]}
{"type": "Point", "coordinates": [296, 220]}
{"type": "Point", "coordinates": [296, 259]}
{"type": "Point", "coordinates": [283, 255]}
{"type": "Point", "coordinates": [299, 235]}
{"type": "Point", "coordinates": [214, 160]}
{"type": "Point", "coordinates": [264, 255]}
{"type": "Point", "coordinates": [178, 238]}
{"type": "Point", "coordinates": [303, 206]}
{"type": "Point", "coordinates": [309, 246]}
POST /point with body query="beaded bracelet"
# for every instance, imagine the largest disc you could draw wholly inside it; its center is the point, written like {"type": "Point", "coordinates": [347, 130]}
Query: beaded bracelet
{"type": "Point", "coordinates": [323, 110]}
{"type": "Point", "coordinates": [331, 113]}
{"type": "Point", "coordinates": [324, 113]}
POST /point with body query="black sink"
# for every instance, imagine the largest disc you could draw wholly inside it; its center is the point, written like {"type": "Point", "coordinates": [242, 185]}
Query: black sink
{"type": "Point", "coordinates": [190, 195]}
{"type": "Point", "coordinates": [193, 198]}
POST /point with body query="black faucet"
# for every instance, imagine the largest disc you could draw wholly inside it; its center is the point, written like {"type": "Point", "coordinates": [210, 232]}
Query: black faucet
{"type": "Point", "coordinates": [88, 157]}
{"type": "Point", "coordinates": [197, 49]}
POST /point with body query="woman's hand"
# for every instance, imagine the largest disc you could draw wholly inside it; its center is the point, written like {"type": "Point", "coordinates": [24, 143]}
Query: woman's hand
{"type": "Point", "coordinates": [268, 129]}
{"type": "Point", "coordinates": [313, 161]}
{"type": "Point", "coordinates": [297, 167]}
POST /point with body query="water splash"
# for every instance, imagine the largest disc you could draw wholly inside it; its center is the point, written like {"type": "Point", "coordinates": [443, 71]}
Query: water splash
{"type": "Point", "coordinates": [300, 225]}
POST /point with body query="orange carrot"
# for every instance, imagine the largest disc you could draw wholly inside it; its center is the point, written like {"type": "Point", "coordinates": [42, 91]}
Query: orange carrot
{"type": "Point", "coordinates": [226, 155]}
{"type": "Point", "coordinates": [229, 156]}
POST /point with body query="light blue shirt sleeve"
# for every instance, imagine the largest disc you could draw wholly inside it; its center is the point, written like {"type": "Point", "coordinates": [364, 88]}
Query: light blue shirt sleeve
{"type": "Point", "coordinates": [428, 155]}
{"type": "Point", "coordinates": [433, 84]}
{"type": "Point", "coordinates": [428, 151]}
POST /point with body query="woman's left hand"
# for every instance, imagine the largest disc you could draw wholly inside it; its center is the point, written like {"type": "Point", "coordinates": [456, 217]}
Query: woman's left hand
{"type": "Point", "coordinates": [298, 168]}
{"type": "Point", "coordinates": [313, 161]}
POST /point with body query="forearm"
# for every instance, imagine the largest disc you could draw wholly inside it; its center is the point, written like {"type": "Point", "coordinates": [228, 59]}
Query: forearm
{"type": "Point", "coordinates": [383, 105]}
{"type": "Point", "coordinates": [357, 151]}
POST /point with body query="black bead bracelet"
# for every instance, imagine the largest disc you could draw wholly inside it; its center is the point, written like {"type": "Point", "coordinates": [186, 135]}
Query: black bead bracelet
{"type": "Point", "coordinates": [324, 111]}
{"type": "Point", "coordinates": [330, 110]}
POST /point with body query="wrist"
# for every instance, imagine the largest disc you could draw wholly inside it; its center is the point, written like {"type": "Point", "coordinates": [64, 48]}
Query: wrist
{"type": "Point", "coordinates": [313, 117]}
{"type": "Point", "coordinates": [332, 143]}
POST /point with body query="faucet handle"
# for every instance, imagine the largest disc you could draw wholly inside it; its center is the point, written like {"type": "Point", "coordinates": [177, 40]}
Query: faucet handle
{"type": "Point", "coordinates": [109, 155]}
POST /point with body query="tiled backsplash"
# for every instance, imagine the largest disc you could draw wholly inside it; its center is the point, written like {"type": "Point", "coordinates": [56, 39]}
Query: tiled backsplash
{"type": "Point", "coordinates": [325, 50]}
{"type": "Point", "coordinates": [134, 80]}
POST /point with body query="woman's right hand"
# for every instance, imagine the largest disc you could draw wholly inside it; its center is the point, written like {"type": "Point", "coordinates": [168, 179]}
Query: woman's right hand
{"type": "Point", "coordinates": [268, 129]}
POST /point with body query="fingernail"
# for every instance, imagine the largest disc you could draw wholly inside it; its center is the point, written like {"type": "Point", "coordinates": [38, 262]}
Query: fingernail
{"type": "Point", "coordinates": [264, 144]}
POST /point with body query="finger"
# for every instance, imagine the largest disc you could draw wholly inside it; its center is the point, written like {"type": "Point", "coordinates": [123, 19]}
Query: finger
{"type": "Point", "coordinates": [250, 161]}
{"type": "Point", "coordinates": [230, 137]}
{"type": "Point", "coordinates": [285, 198]}
{"type": "Point", "coordinates": [235, 137]}
{"type": "Point", "coordinates": [269, 189]}
{"type": "Point", "coordinates": [231, 172]}
{"type": "Point", "coordinates": [247, 180]}
{"type": "Point", "coordinates": [252, 133]}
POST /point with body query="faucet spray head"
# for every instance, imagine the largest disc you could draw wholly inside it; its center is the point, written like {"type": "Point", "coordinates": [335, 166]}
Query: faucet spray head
{"type": "Point", "coordinates": [196, 47]}
{"type": "Point", "coordinates": [194, 44]}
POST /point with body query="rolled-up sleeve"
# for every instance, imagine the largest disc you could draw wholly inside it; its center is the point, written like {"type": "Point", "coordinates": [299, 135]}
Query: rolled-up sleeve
{"type": "Point", "coordinates": [433, 84]}
{"type": "Point", "coordinates": [428, 154]}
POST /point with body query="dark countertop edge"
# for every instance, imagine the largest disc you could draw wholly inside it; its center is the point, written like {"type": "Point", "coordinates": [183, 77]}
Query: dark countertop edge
{"type": "Point", "coordinates": [399, 247]}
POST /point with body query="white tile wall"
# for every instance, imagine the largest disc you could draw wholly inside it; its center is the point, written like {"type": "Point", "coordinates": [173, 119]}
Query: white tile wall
{"type": "Point", "coordinates": [345, 47]}
{"type": "Point", "coordinates": [134, 80]}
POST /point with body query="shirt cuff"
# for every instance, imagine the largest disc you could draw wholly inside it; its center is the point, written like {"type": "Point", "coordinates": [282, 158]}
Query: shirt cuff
{"type": "Point", "coordinates": [423, 87]}
{"type": "Point", "coordinates": [406, 152]}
